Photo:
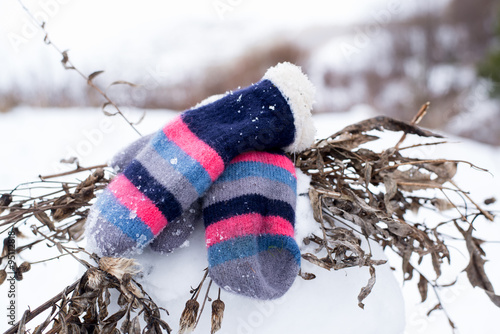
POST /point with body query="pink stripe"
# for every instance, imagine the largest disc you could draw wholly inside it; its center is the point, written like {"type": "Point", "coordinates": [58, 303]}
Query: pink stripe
{"type": "Point", "coordinates": [128, 195]}
{"type": "Point", "coordinates": [178, 132]}
{"type": "Point", "coordinates": [249, 224]}
{"type": "Point", "coordinates": [267, 158]}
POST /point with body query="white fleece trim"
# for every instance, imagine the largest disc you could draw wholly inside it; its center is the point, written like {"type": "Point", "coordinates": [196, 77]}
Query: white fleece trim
{"type": "Point", "coordinates": [299, 92]}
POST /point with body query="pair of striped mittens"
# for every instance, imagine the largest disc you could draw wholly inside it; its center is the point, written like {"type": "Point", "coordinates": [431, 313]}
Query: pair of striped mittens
{"type": "Point", "coordinates": [223, 161]}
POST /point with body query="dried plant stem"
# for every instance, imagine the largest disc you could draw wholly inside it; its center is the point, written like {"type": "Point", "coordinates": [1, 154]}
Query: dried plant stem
{"type": "Point", "coordinates": [70, 66]}
{"type": "Point", "coordinates": [416, 119]}
{"type": "Point", "coordinates": [425, 144]}
{"type": "Point", "coordinates": [484, 212]}
{"type": "Point", "coordinates": [51, 259]}
{"type": "Point", "coordinates": [454, 205]}
{"type": "Point", "coordinates": [42, 308]}
{"type": "Point", "coordinates": [437, 161]}
{"type": "Point", "coordinates": [58, 244]}
{"type": "Point", "coordinates": [323, 229]}
{"type": "Point", "coordinates": [435, 289]}
{"type": "Point", "coordinates": [198, 288]}
{"type": "Point", "coordinates": [77, 170]}
{"type": "Point", "coordinates": [204, 302]}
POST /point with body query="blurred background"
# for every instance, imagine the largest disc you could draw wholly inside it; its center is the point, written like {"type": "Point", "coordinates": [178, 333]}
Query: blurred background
{"type": "Point", "coordinates": [390, 56]}
{"type": "Point", "coordinates": [366, 57]}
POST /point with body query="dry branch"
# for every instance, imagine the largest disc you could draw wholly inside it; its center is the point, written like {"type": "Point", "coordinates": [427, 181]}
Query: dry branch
{"type": "Point", "coordinates": [355, 189]}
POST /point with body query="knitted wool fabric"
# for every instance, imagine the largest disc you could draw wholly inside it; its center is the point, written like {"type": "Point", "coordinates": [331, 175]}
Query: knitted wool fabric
{"type": "Point", "coordinates": [189, 153]}
{"type": "Point", "coordinates": [175, 234]}
{"type": "Point", "coordinates": [249, 216]}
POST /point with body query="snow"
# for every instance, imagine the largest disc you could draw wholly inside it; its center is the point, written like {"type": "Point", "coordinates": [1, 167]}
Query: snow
{"type": "Point", "coordinates": [159, 42]}
{"type": "Point", "coordinates": [33, 140]}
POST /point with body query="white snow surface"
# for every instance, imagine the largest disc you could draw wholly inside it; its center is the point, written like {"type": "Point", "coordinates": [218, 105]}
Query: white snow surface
{"type": "Point", "coordinates": [32, 141]}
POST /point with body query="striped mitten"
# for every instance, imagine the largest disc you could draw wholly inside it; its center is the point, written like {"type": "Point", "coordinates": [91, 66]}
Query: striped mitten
{"type": "Point", "coordinates": [188, 154]}
{"type": "Point", "coordinates": [249, 215]}
{"type": "Point", "coordinates": [175, 234]}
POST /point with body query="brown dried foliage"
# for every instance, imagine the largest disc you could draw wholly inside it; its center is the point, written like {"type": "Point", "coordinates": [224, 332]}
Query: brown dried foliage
{"type": "Point", "coordinates": [355, 193]}
{"type": "Point", "coordinates": [58, 218]}
{"type": "Point", "coordinates": [85, 306]}
{"type": "Point", "coordinates": [60, 212]}
{"type": "Point", "coordinates": [355, 189]}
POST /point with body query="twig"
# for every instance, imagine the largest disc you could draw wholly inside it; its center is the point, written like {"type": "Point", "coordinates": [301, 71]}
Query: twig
{"type": "Point", "coordinates": [68, 64]}
{"type": "Point", "coordinates": [454, 205]}
{"type": "Point", "coordinates": [86, 265]}
{"type": "Point", "coordinates": [418, 117]}
{"type": "Point", "coordinates": [77, 170]}
{"type": "Point", "coordinates": [485, 213]}
{"type": "Point", "coordinates": [203, 304]}
{"type": "Point", "coordinates": [42, 308]}
{"type": "Point", "coordinates": [198, 289]}
{"type": "Point", "coordinates": [437, 161]}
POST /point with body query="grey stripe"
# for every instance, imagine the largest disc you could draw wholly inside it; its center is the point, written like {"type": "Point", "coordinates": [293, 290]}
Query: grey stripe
{"type": "Point", "coordinates": [171, 179]}
{"type": "Point", "coordinates": [121, 159]}
{"type": "Point", "coordinates": [275, 190]}
{"type": "Point", "coordinates": [267, 275]}
{"type": "Point", "coordinates": [177, 231]}
{"type": "Point", "coordinates": [109, 239]}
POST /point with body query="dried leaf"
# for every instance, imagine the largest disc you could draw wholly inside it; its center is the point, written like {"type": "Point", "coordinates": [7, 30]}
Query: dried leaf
{"type": "Point", "coordinates": [135, 326]}
{"type": "Point", "coordinates": [25, 267]}
{"type": "Point", "coordinates": [65, 61]}
{"type": "Point", "coordinates": [307, 276]}
{"type": "Point", "coordinates": [475, 269]}
{"type": "Point", "coordinates": [436, 264]}
{"type": "Point", "coordinates": [399, 228]}
{"type": "Point", "coordinates": [445, 171]}
{"type": "Point", "coordinates": [436, 307]}
{"type": "Point", "coordinates": [113, 319]}
{"type": "Point", "coordinates": [5, 201]}
{"type": "Point", "coordinates": [139, 121]}
{"type": "Point", "coordinates": [442, 204]}
{"type": "Point", "coordinates": [315, 203]}
{"type": "Point", "coordinates": [107, 113]}
{"type": "Point", "coordinates": [45, 220]}
{"type": "Point", "coordinates": [391, 189]}
{"type": "Point", "coordinates": [366, 290]}
{"type": "Point", "coordinates": [59, 247]}
{"type": "Point", "coordinates": [93, 75]}
{"type": "Point", "coordinates": [422, 287]}
{"type": "Point", "coordinates": [121, 82]}
{"type": "Point", "coordinates": [21, 329]}
{"type": "Point", "coordinates": [3, 276]}
{"type": "Point", "coordinates": [314, 260]}
{"type": "Point", "coordinates": [381, 122]}
{"type": "Point", "coordinates": [347, 141]}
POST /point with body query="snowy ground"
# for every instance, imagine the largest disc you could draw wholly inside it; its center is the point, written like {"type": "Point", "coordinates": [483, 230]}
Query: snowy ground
{"type": "Point", "coordinates": [32, 141]}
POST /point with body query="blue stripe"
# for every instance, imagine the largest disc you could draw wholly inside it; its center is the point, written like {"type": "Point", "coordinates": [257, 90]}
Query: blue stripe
{"type": "Point", "coordinates": [242, 247]}
{"type": "Point", "coordinates": [246, 204]}
{"type": "Point", "coordinates": [164, 200]}
{"type": "Point", "coordinates": [182, 162]}
{"type": "Point", "coordinates": [120, 216]}
{"type": "Point", "coordinates": [244, 169]}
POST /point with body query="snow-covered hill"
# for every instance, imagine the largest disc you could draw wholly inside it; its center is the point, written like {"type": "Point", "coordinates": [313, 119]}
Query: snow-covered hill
{"type": "Point", "coordinates": [33, 140]}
